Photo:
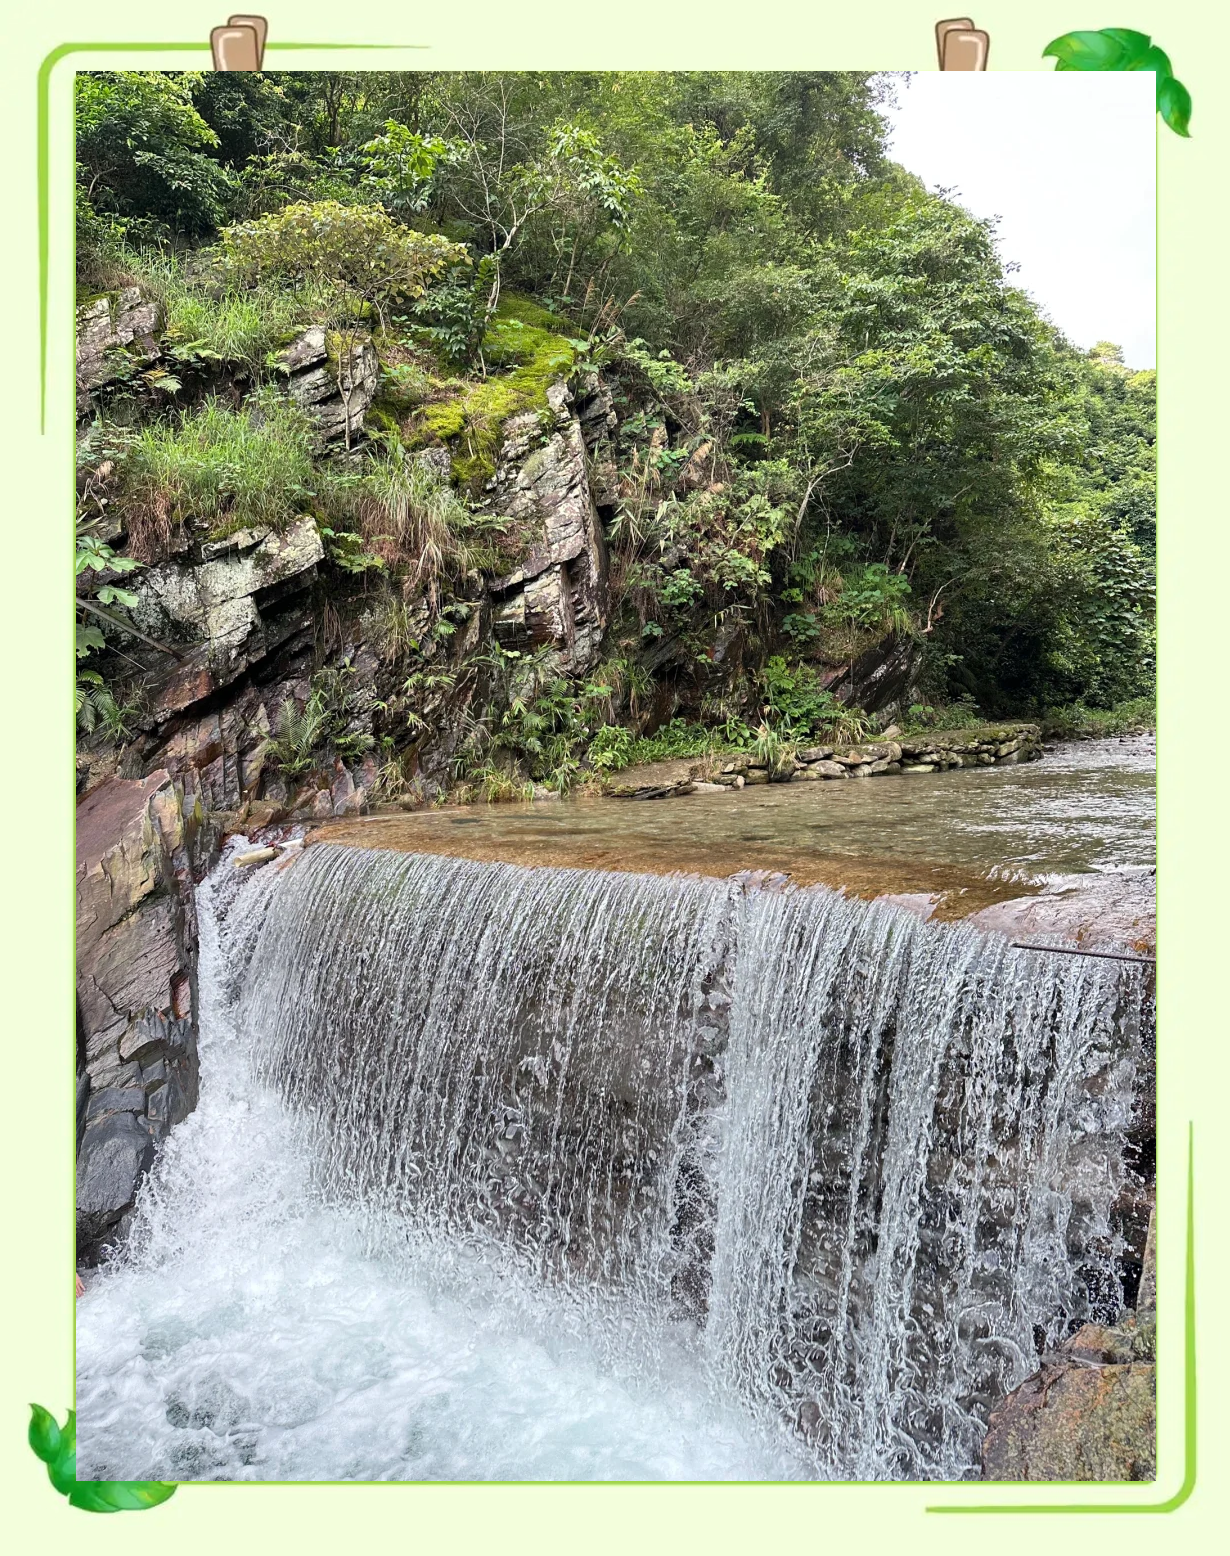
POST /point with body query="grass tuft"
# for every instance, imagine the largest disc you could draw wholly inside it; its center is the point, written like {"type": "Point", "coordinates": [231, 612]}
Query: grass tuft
{"type": "Point", "coordinates": [215, 466]}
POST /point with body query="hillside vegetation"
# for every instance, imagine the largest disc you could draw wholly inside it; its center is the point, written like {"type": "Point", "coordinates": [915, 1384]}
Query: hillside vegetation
{"type": "Point", "coordinates": [852, 472]}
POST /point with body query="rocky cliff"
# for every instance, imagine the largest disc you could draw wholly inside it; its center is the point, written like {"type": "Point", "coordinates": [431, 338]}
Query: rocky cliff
{"type": "Point", "coordinates": [232, 627]}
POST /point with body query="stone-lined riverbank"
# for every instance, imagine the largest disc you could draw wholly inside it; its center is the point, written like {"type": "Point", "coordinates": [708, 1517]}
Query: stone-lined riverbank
{"type": "Point", "coordinates": [934, 751]}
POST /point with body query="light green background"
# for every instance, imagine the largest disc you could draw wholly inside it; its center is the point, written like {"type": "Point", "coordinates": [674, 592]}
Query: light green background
{"type": "Point", "coordinates": [36, 774]}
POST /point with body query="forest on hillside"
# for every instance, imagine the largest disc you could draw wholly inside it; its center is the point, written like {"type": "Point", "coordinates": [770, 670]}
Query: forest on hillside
{"type": "Point", "coordinates": [840, 431]}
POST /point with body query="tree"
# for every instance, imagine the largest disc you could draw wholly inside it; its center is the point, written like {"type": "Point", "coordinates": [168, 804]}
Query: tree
{"type": "Point", "coordinates": [144, 152]}
{"type": "Point", "coordinates": [504, 183]}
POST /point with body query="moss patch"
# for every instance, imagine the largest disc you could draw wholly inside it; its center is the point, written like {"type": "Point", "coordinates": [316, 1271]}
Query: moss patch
{"type": "Point", "coordinates": [524, 339]}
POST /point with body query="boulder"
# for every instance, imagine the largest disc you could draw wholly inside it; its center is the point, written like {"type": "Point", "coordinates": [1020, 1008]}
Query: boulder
{"type": "Point", "coordinates": [653, 780]}
{"type": "Point", "coordinates": [1076, 1421]}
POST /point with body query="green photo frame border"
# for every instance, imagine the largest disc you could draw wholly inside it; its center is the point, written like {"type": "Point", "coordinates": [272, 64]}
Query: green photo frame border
{"type": "Point", "coordinates": [1190, 1415]}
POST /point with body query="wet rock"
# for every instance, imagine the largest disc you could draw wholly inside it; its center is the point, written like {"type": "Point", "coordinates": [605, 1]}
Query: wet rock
{"type": "Point", "coordinates": [815, 754]}
{"type": "Point", "coordinates": [1099, 1344]}
{"type": "Point", "coordinates": [115, 1155]}
{"type": "Point", "coordinates": [1146, 1296]}
{"type": "Point", "coordinates": [922, 903]}
{"type": "Point", "coordinates": [1075, 1422]}
{"type": "Point", "coordinates": [1116, 912]}
{"type": "Point", "coordinates": [136, 1000]}
{"type": "Point", "coordinates": [823, 769]}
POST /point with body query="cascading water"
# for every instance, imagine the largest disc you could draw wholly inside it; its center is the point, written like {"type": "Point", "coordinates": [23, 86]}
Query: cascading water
{"type": "Point", "coordinates": [519, 1173]}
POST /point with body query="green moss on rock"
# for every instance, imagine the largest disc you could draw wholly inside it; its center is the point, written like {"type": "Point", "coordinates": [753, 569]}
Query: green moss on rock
{"type": "Point", "coordinates": [522, 338]}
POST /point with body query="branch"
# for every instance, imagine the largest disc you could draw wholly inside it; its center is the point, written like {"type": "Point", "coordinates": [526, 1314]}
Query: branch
{"type": "Point", "coordinates": [125, 626]}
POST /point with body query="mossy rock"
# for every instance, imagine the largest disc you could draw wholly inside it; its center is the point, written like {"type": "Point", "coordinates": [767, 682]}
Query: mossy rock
{"type": "Point", "coordinates": [525, 337]}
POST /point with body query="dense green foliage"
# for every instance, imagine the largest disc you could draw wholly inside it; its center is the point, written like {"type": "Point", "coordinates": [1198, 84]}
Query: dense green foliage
{"type": "Point", "coordinates": [840, 425]}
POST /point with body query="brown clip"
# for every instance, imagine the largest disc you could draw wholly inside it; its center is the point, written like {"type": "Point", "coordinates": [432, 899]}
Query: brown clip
{"type": "Point", "coordinates": [960, 45]}
{"type": "Point", "coordinates": [260, 27]}
{"type": "Point", "coordinates": [240, 45]}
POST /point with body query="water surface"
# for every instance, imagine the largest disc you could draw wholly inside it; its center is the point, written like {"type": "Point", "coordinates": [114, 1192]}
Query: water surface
{"type": "Point", "coordinates": [971, 836]}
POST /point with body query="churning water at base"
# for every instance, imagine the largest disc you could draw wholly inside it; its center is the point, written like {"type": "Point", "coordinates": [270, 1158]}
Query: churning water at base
{"type": "Point", "coordinates": [510, 1174]}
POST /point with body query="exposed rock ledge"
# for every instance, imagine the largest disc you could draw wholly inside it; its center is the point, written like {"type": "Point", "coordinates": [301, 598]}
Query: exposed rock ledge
{"type": "Point", "coordinates": [1089, 1412]}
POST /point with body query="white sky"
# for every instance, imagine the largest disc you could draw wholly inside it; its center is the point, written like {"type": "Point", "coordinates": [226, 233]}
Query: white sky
{"type": "Point", "coordinates": [1067, 162]}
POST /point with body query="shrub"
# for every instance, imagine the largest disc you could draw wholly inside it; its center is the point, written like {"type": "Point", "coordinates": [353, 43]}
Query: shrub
{"type": "Point", "coordinates": [961, 714]}
{"type": "Point", "coordinates": [356, 251]}
{"type": "Point", "coordinates": [872, 599]}
{"type": "Point", "coordinates": [1077, 722]}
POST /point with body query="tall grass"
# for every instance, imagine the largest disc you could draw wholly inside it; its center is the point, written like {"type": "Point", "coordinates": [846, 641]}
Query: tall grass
{"type": "Point", "coordinates": [413, 520]}
{"type": "Point", "coordinates": [209, 319]}
{"type": "Point", "coordinates": [225, 468]}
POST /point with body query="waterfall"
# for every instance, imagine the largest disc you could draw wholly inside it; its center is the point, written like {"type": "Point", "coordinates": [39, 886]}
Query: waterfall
{"type": "Point", "coordinates": [847, 1169]}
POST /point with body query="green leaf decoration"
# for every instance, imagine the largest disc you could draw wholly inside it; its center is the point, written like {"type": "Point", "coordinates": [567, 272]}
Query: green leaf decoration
{"type": "Point", "coordinates": [56, 1446]}
{"type": "Point", "coordinates": [1174, 103]}
{"type": "Point", "coordinates": [1086, 51]}
{"type": "Point", "coordinates": [1134, 43]}
{"type": "Point", "coordinates": [1119, 48]}
{"type": "Point", "coordinates": [44, 1434]}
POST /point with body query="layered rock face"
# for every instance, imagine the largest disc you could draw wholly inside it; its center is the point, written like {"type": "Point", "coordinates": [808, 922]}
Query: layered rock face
{"type": "Point", "coordinates": [336, 393]}
{"type": "Point", "coordinates": [239, 617]}
{"type": "Point", "coordinates": [136, 991]}
{"type": "Point", "coordinates": [558, 596]}
{"type": "Point", "coordinates": [114, 332]}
